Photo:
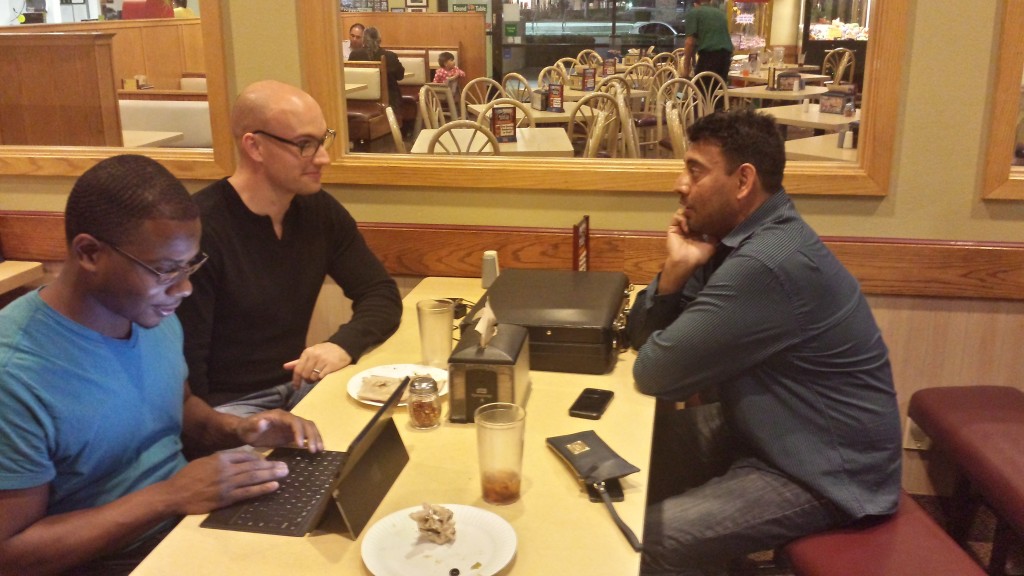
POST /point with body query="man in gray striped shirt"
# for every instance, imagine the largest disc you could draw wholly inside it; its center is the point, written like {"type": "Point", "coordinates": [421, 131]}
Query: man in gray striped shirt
{"type": "Point", "coordinates": [751, 306]}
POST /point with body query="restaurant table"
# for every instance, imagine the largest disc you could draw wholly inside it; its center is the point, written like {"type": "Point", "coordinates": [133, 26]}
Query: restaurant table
{"type": "Point", "coordinates": [572, 94]}
{"type": "Point", "coordinates": [141, 138]}
{"type": "Point", "coordinates": [544, 142]}
{"type": "Point", "coordinates": [15, 274]}
{"type": "Point", "coordinates": [762, 77]}
{"type": "Point", "coordinates": [539, 116]}
{"type": "Point", "coordinates": [350, 88]}
{"type": "Point", "coordinates": [762, 93]}
{"type": "Point", "coordinates": [794, 115]}
{"type": "Point", "coordinates": [819, 148]}
{"type": "Point", "coordinates": [558, 529]}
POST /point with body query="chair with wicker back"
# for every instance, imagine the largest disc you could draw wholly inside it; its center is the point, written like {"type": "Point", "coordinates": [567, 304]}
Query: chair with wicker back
{"type": "Point", "coordinates": [524, 115]}
{"type": "Point", "coordinates": [551, 75]}
{"type": "Point", "coordinates": [479, 91]}
{"type": "Point", "coordinates": [471, 138]}
{"type": "Point", "coordinates": [596, 113]}
{"type": "Point", "coordinates": [715, 90]}
{"type": "Point", "coordinates": [431, 111]}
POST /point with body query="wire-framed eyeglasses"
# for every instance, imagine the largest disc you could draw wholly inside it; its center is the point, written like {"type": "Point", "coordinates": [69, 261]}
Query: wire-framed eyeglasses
{"type": "Point", "coordinates": [307, 146]}
{"type": "Point", "coordinates": [166, 277]}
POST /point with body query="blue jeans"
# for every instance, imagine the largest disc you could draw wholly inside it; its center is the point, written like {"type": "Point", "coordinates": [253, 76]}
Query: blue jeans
{"type": "Point", "coordinates": [728, 503]}
{"type": "Point", "coordinates": [283, 396]}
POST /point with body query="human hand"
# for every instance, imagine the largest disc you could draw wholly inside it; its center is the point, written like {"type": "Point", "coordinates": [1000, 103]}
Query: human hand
{"type": "Point", "coordinates": [222, 479]}
{"type": "Point", "coordinates": [316, 362]}
{"type": "Point", "coordinates": [686, 252]}
{"type": "Point", "coordinates": [279, 428]}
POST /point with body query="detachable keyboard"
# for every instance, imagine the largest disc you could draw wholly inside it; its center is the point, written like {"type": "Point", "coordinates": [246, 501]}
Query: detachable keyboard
{"type": "Point", "coordinates": [297, 505]}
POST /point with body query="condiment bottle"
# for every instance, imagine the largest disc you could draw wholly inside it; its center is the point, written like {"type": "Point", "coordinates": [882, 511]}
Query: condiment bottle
{"type": "Point", "coordinates": [424, 403]}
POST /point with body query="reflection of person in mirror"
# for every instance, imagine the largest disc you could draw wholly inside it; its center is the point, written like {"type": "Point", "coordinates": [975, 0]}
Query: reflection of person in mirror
{"type": "Point", "coordinates": [95, 409]}
{"type": "Point", "coordinates": [355, 40]}
{"type": "Point", "coordinates": [708, 41]}
{"type": "Point", "coordinates": [273, 236]}
{"type": "Point", "coordinates": [181, 10]}
{"type": "Point", "coordinates": [798, 427]}
{"type": "Point", "coordinates": [372, 51]}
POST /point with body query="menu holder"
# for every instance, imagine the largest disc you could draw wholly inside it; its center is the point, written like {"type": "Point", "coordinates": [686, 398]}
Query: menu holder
{"type": "Point", "coordinates": [589, 79]}
{"type": "Point", "coordinates": [789, 81]}
{"type": "Point", "coordinates": [503, 123]}
{"type": "Point", "coordinates": [576, 81]}
{"type": "Point", "coordinates": [555, 98]}
{"type": "Point", "coordinates": [608, 67]}
{"type": "Point", "coordinates": [538, 99]}
{"type": "Point", "coordinates": [834, 102]}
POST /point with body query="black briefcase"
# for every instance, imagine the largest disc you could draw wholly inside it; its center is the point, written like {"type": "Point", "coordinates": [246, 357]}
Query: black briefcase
{"type": "Point", "coordinates": [575, 320]}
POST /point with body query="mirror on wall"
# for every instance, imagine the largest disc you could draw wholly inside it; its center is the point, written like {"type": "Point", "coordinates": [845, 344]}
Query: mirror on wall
{"type": "Point", "coordinates": [1004, 161]}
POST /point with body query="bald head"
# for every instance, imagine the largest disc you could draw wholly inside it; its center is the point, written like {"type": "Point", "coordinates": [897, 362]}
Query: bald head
{"type": "Point", "coordinates": [266, 104]}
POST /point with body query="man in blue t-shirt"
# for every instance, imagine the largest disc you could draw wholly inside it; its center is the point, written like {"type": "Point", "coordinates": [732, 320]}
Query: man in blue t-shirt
{"type": "Point", "coordinates": [95, 410]}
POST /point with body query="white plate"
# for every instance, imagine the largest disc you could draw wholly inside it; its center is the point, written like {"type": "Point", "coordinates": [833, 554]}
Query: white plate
{"type": "Point", "coordinates": [393, 546]}
{"type": "Point", "coordinates": [398, 371]}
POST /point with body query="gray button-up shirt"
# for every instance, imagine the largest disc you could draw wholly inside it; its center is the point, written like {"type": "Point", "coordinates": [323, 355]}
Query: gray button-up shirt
{"type": "Point", "coordinates": [781, 329]}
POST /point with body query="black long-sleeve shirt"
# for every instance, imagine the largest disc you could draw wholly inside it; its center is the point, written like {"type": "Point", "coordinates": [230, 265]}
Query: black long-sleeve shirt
{"type": "Point", "coordinates": [252, 302]}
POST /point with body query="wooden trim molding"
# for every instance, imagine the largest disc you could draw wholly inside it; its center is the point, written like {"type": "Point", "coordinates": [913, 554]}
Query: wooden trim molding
{"type": "Point", "coordinates": [883, 266]}
{"type": "Point", "coordinates": [1001, 182]}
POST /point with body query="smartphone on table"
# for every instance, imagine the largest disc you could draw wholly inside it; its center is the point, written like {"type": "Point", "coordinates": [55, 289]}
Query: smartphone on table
{"type": "Point", "coordinates": [591, 403]}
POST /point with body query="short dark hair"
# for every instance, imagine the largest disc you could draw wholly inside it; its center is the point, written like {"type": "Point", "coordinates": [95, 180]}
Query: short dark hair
{"type": "Point", "coordinates": [113, 198]}
{"type": "Point", "coordinates": [745, 137]}
{"type": "Point", "coordinates": [181, 3]}
{"type": "Point", "coordinates": [444, 57]}
{"type": "Point", "coordinates": [356, 25]}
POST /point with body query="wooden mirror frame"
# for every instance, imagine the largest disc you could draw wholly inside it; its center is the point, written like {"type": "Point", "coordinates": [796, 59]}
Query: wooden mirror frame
{"type": "Point", "coordinates": [869, 176]}
{"type": "Point", "coordinates": [183, 163]}
{"type": "Point", "coordinates": [1001, 180]}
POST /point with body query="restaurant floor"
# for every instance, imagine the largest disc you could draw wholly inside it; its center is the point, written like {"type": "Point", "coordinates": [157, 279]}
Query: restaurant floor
{"type": "Point", "coordinates": [979, 542]}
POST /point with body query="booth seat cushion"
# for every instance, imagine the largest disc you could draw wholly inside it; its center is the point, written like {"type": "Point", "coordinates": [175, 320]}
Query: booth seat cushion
{"type": "Point", "coordinates": [982, 428]}
{"type": "Point", "coordinates": [415, 71]}
{"type": "Point", "coordinates": [366, 120]}
{"type": "Point", "coordinates": [908, 543]}
{"type": "Point", "coordinates": [368, 76]}
{"type": "Point", "coordinates": [191, 118]}
{"type": "Point", "coordinates": [192, 84]}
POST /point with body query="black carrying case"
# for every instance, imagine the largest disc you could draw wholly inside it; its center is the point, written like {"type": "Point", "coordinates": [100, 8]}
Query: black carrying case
{"type": "Point", "coordinates": [575, 319]}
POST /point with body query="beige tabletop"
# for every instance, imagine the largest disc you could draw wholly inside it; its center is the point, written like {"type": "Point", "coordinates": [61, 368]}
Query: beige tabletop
{"type": "Point", "coordinates": [558, 529]}
{"type": "Point", "coordinates": [795, 115]}
{"type": "Point", "coordinates": [350, 88]}
{"type": "Point", "coordinates": [762, 77]}
{"type": "Point", "coordinates": [544, 142]}
{"type": "Point", "coordinates": [15, 274]}
{"type": "Point", "coordinates": [141, 138]}
{"type": "Point", "coordinates": [763, 93]}
{"type": "Point", "coordinates": [819, 148]}
{"type": "Point", "coordinates": [539, 116]}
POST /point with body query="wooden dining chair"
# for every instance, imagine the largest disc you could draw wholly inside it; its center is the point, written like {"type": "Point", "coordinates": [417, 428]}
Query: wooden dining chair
{"type": "Point", "coordinates": [640, 77]}
{"type": "Point", "coordinates": [684, 98]}
{"type": "Point", "coordinates": [589, 57]}
{"type": "Point", "coordinates": [431, 112]}
{"type": "Point", "coordinates": [396, 130]}
{"type": "Point", "coordinates": [614, 84]}
{"type": "Point", "coordinates": [676, 133]}
{"type": "Point", "coordinates": [472, 139]}
{"type": "Point", "coordinates": [593, 126]}
{"type": "Point", "coordinates": [715, 91]}
{"type": "Point", "coordinates": [837, 63]}
{"type": "Point", "coordinates": [524, 114]}
{"type": "Point", "coordinates": [551, 75]}
{"type": "Point", "coordinates": [516, 87]}
{"type": "Point", "coordinates": [479, 91]}
{"type": "Point", "coordinates": [567, 65]}
{"type": "Point", "coordinates": [664, 59]}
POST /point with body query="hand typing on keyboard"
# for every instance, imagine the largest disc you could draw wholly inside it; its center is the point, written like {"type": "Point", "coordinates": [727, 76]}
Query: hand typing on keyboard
{"type": "Point", "coordinates": [221, 479]}
{"type": "Point", "coordinates": [279, 428]}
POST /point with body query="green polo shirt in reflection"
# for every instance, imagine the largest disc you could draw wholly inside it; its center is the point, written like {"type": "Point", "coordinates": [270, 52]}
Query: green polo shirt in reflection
{"type": "Point", "coordinates": [708, 25]}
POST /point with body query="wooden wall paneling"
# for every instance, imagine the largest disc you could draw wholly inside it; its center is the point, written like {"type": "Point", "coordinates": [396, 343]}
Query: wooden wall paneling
{"type": "Point", "coordinates": [129, 54]}
{"type": "Point", "coordinates": [428, 29]}
{"type": "Point", "coordinates": [192, 49]}
{"type": "Point", "coordinates": [59, 91]}
{"type": "Point", "coordinates": [161, 47]}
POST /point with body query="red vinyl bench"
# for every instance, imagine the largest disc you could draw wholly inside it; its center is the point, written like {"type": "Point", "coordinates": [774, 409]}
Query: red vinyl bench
{"type": "Point", "coordinates": [981, 428]}
{"type": "Point", "coordinates": [908, 543]}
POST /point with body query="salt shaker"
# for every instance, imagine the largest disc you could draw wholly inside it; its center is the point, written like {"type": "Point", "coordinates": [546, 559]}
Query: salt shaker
{"type": "Point", "coordinates": [424, 403]}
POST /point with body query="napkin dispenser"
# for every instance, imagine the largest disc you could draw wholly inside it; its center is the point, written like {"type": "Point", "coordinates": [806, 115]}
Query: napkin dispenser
{"type": "Point", "coordinates": [478, 375]}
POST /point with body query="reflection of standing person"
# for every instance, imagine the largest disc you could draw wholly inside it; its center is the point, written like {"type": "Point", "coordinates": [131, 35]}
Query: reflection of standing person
{"type": "Point", "coordinates": [371, 50]}
{"type": "Point", "coordinates": [707, 40]}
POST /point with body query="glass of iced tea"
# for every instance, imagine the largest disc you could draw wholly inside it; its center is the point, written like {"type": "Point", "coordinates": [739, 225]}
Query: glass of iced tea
{"type": "Point", "coordinates": [499, 439]}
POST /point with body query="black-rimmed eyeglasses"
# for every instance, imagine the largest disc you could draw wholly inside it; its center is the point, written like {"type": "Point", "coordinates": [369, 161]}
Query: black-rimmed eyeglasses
{"type": "Point", "coordinates": [307, 146]}
{"type": "Point", "coordinates": [167, 277]}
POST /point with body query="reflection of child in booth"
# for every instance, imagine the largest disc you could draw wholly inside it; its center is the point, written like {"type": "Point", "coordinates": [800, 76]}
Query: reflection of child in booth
{"type": "Point", "coordinates": [448, 73]}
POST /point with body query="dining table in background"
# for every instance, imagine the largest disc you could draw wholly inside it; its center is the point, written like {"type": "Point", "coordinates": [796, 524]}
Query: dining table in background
{"type": "Point", "coordinates": [821, 148]}
{"type": "Point", "coordinates": [150, 138]}
{"type": "Point", "coordinates": [539, 116]}
{"type": "Point", "coordinates": [16, 273]}
{"type": "Point", "coordinates": [763, 93]}
{"type": "Point", "coordinates": [542, 142]}
{"type": "Point", "coordinates": [812, 117]}
{"type": "Point", "coordinates": [761, 77]}
{"type": "Point", "coordinates": [558, 529]}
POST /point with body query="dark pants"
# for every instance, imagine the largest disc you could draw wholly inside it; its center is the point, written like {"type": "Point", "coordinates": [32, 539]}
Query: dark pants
{"type": "Point", "coordinates": [717, 61]}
